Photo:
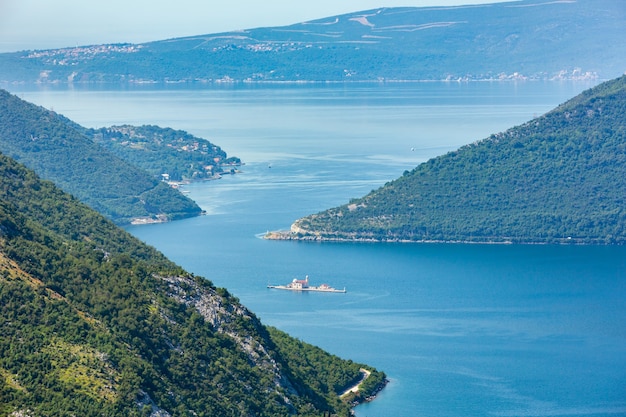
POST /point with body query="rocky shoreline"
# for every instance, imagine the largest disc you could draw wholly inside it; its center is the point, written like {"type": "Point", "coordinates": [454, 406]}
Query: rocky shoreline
{"type": "Point", "coordinates": [302, 235]}
{"type": "Point", "coordinates": [360, 399]}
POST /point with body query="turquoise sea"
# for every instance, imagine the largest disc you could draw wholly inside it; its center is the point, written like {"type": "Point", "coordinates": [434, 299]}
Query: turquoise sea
{"type": "Point", "coordinates": [461, 330]}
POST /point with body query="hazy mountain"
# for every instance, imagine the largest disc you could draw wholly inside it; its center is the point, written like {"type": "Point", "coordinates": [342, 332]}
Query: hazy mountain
{"type": "Point", "coordinates": [558, 178]}
{"type": "Point", "coordinates": [58, 150]}
{"type": "Point", "coordinates": [528, 38]}
{"type": "Point", "coordinates": [95, 323]}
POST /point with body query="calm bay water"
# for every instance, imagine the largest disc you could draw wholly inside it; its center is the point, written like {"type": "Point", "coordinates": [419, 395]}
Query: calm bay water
{"type": "Point", "coordinates": [461, 330]}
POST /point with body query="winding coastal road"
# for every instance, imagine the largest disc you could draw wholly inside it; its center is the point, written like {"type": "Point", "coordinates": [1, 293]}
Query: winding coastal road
{"type": "Point", "coordinates": [355, 388]}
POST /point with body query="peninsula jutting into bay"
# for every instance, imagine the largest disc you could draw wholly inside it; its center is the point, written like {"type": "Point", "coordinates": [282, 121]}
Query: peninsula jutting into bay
{"type": "Point", "coordinates": [559, 178]}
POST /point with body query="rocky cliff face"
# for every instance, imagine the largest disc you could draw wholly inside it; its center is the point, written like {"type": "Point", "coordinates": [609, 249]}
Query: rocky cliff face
{"type": "Point", "coordinates": [224, 315]}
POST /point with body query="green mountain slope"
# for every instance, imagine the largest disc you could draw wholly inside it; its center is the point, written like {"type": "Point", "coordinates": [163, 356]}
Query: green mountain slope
{"type": "Point", "coordinates": [558, 178]}
{"type": "Point", "coordinates": [93, 323]}
{"type": "Point", "coordinates": [57, 150]}
{"type": "Point", "coordinates": [527, 38]}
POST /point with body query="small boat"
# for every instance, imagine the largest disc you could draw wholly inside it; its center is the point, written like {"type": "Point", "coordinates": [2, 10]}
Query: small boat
{"type": "Point", "coordinates": [303, 285]}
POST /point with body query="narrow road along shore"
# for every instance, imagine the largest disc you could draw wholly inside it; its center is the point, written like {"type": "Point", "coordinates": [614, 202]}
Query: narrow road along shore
{"type": "Point", "coordinates": [355, 388]}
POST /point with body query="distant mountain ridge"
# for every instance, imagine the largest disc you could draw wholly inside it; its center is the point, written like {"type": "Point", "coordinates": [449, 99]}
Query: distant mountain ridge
{"type": "Point", "coordinates": [560, 178]}
{"type": "Point", "coordinates": [535, 39]}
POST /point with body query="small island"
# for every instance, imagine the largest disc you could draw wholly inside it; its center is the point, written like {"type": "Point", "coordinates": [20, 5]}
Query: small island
{"type": "Point", "coordinates": [303, 285]}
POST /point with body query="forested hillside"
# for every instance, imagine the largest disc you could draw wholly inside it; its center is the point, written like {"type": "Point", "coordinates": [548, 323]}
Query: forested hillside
{"type": "Point", "coordinates": [159, 151]}
{"type": "Point", "coordinates": [57, 149]}
{"type": "Point", "coordinates": [558, 178]}
{"type": "Point", "coordinates": [95, 323]}
{"type": "Point", "coordinates": [537, 39]}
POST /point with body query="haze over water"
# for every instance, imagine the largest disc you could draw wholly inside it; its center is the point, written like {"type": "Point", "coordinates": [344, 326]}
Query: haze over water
{"type": "Point", "coordinates": [461, 330]}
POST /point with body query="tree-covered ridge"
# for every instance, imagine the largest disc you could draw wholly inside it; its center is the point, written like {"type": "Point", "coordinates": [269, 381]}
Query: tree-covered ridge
{"type": "Point", "coordinates": [537, 39]}
{"type": "Point", "coordinates": [159, 151]}
{"type": "Point", "coordinates": [93, 322]}
{"type": "Point", "coordinates": [57, 150]}
{"type": "Point", "coordinates": [558, 178]}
